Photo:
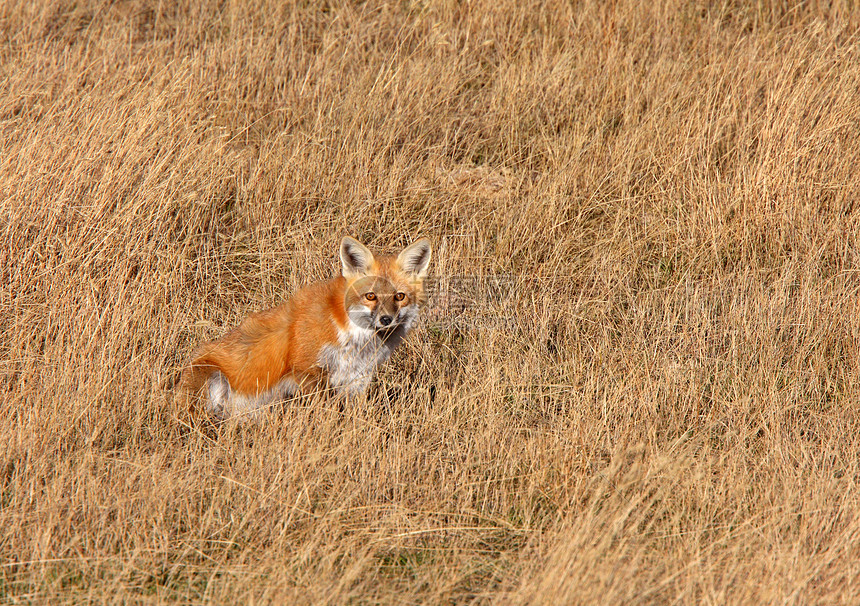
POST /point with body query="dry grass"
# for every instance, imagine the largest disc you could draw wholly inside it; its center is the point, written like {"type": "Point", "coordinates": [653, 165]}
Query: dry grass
{"type": "Point", "coordinates": [646, 392]}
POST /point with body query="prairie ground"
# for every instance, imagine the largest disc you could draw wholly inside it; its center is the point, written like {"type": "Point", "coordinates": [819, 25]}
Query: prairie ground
{"type": "Point", "coordinates": [637, 378]}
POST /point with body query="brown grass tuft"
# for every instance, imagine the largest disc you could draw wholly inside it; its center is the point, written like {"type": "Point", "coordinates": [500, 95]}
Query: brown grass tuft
{"type": "Point", "coordinates": [638, 377]}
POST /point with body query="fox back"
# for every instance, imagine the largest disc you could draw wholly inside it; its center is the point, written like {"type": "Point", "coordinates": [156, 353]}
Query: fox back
{"type": "Point", "coordinates": [336, 332]}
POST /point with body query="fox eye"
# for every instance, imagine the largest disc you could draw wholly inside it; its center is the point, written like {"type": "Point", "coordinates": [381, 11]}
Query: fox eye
{"type": "Point", "coordinates": [400, 296]}
{"type": "Point", "coordinates": [370, 296]}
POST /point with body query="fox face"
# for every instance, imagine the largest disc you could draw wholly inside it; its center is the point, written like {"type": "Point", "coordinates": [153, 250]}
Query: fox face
{"type": "Point", "coordinates": [375, 304]}
{"type": "Point", "coordinates": [382, 295]}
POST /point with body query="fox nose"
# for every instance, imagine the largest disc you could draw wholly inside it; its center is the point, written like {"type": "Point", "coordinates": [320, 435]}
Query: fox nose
{"type": "Point", "coordinates": [385, 320]}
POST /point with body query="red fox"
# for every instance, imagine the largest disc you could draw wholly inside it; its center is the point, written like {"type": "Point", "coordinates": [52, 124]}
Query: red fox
{"type": "Point", "coordinates": [338, 331]}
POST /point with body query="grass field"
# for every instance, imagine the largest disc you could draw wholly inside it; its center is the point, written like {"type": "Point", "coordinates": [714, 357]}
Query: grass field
{"type": "Point", "coordinates": [637, 379]}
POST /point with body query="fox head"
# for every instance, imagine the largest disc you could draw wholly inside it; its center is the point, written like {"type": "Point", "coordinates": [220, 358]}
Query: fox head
{"type": "Point", "coordinates": [384, 293]}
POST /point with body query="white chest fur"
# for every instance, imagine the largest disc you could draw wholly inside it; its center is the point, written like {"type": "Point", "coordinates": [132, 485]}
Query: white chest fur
{"type": "Point", "coordinates": [351, 363]}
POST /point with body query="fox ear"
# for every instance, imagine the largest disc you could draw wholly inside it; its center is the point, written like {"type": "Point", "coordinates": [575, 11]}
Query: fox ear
{"type": "Point", "coordinates": [415, 258]}
{"type": "Point", "coordinates": [355, 257]}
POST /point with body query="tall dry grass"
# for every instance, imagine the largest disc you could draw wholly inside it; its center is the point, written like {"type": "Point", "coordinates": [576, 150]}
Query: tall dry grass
{"type": "Point", "coordinates": [637, 380]}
